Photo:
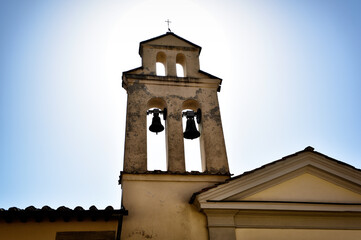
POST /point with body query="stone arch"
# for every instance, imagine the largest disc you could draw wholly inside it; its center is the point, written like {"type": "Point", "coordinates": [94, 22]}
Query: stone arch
{"type": "Point", "coordinates": [156, 102]}
{"type": "Point", "coordinates": [190, 104]}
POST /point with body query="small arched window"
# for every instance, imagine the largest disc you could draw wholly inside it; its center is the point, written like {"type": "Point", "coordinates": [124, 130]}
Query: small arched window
{"type": "Point", "coordinates": [181, 65]}
{"type": "Point", "coordinates": [180, 70]}
{"type": "Point", "coordinates": [161, 63]}
{"type": "Point", "coordinates": [160, 69]}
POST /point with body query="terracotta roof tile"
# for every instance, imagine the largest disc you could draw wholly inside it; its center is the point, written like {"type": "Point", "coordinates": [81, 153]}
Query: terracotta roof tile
{"type": "Point", "coordinates": [63, 213]}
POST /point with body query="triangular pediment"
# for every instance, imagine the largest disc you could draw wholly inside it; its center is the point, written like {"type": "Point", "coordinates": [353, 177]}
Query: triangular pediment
{"type": "Point", "coordinates": [170, 39]}
{"type": "Point", "coordinates": [306, 187]}
{"type": "Point", "coordinates": [306, 176]}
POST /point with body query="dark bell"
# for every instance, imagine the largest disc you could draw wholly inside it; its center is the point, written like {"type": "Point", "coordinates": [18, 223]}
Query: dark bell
{"type": "Point", "coordinates": [156, 125]}
{"type": "Point", "coordinates": [191, 131]}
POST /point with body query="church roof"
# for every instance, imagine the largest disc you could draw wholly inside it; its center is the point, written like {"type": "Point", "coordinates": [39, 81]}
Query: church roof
{"type": "Point", "coordinates": [167, 35]}
{"type": "Point", "coordinates": [280, 162]}
{"type": "Point", "coordinates": [61, 213]}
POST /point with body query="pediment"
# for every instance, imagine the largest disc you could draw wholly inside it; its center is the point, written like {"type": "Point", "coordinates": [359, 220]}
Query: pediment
{"type": "Point", "coordinates": [306, 176]}
{"type": "Point", "coordinates": [169, 39]}
{"type": "Point", "coordinates": [306, 186]}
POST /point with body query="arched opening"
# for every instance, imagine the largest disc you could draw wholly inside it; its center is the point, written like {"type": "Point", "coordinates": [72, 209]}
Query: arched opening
{"type": "Point", "coordinates": [156, 148]}
{"type": "Point", "coordinates": [180, 70]}
{"type": "Point", "coordinates": [181, 65]}
{"type": "Point", "coordinates": [160, 69]}
{"type": "Point", "coordinates": [161, 63]}
{"type": "Point", "coordinates": [192, 149]}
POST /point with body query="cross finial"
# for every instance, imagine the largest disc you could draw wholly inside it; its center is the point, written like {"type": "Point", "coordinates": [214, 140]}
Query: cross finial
{"type": "Point", "coordinates": [168, 25]}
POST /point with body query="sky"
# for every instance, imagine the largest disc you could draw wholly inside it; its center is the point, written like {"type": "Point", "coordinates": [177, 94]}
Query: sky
{"type": "Point", "coordinates": [291, 79]}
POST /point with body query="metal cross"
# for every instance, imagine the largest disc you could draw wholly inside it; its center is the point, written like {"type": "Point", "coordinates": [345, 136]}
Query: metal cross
{"type": "Point", "coordinates": [168, 25]}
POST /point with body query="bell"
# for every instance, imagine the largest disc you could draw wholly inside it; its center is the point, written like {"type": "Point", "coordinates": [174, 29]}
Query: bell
{"type": "Point", "coordinates": [156, 125]}
{"type": "Point", "coordinates": [191, 131]}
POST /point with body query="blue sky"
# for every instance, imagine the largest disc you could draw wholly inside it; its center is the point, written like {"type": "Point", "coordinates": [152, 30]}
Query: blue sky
{"type": "Point", "coordinates": [290, 70]}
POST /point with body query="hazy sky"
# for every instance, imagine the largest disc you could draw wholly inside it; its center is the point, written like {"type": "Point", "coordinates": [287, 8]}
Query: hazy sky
{"type": "Point", "coordinates": [291, 78]}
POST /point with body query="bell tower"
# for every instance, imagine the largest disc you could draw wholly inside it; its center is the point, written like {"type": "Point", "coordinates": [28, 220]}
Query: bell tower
{"type": "Point", "coordinates": [164, 195]}
{"type": "Point", "coordinates": [195, 90]}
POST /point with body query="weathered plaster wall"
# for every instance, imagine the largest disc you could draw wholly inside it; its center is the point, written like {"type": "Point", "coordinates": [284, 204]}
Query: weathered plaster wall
{"type": "Point", "coordinates": [47, 230]}
{"type": "Point", "coordinates": [175, 98]}
{"type": "Point", "coordinates": [159, 209]}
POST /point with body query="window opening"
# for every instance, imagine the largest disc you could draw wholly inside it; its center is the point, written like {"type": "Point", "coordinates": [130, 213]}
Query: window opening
{"type": "Point", "coordinates": [156, 151]}
{"type": "Point", "coordinates": [192, 149]}
{"type": "Point", "coordinates": [180, 70]}
{"type": "Point", "coordinates": [160, 69]}
{"type": "Point", "coordinates": [181, 65]}
{"type": "Point", "coordinates": [161, 63]}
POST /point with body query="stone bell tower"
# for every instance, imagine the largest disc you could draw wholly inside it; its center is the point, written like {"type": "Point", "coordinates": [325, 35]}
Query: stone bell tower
{"type": "Point", "coordinates": [157, 201]}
